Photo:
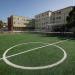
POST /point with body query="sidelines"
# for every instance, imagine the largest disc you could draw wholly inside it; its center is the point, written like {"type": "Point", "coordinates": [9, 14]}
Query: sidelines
{"type": "Point", "coordinates": [30, 49]}
{"type": "Point", "coordinates": [38, 67]}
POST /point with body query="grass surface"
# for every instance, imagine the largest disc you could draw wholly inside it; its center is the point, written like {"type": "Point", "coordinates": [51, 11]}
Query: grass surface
{"type": "Point", "coordinates": [44, 56]}
{"type": "Point", "coordinates": [40, 57]}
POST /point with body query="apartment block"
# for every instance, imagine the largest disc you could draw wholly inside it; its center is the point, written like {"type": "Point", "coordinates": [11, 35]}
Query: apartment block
{"type": "Point", "coordinates": [52, 19]}
{"type": "Point", "coordinates": [41, 20]}
{"type": "Point", "coordinates": [17, 23]}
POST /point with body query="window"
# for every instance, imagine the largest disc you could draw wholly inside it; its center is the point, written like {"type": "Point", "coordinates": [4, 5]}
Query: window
{"type": "Point", "coordinates": [25, 23]}
{"type": "Point", "coordinates": [53, 18]}
{"type": "Point", "coordinates": [47, 13]}
{"type": "Point", "coordinates": [58, 17]}
{"type": "Point", "coordinates": [58, 12]}
{"type": "Point", "coordinates": [14, 22]}
{"type": "Point", "coordinates": [42, 14]}
{"type": "Point", "coordinates": [23, 19]}
{"type": "Point", "coordinates": [46, 22]}
{"type": "Point", "coordinates": [18, 18]}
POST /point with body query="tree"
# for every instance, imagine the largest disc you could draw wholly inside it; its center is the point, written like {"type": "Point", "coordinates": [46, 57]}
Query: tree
{"type": "Point", "coordinates": [1, 24]}
{"type": "Point", "coordinates": [31, 24]}
{"type": "Point", "coordinates": [71, 20]}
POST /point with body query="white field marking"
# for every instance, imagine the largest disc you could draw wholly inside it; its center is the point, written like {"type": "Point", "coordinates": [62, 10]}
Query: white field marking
{"type": "Point", "coordinates": [36, 68]}
{"type": "Point", "coordinates": [23, 51]}
{"type": "Point", "coordinates": [39, 67]}
{"type": "Point", "coordinates": [1, 58]}
{"type": "Point", "coordinates": [29, 49]}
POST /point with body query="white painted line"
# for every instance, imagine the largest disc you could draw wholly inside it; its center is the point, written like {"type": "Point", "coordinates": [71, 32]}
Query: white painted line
{"type": "Point", "coordinates": [1, 58]}
{"type": "Point", "coordinates": [30, 49]}
{"type": "Point", "coordinates": [34, 68]}
{"type": "Point", "coordinates": [23, 51]}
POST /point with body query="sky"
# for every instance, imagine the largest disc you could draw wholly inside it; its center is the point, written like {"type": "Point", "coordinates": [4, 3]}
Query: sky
{"type": "Point", "coordinates": [30, 8]}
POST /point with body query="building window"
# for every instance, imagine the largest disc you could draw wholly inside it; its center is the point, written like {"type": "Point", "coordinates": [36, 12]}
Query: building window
{"type": "Point", "coordinates": [24, 19]}
{"type": "Point", "coordinates": [54, 18]}
{"type": "Point", "coordinates": [18, 18]}
{"type": "Point", "coordinates": [47, 13]}
{"type": "Point", "coordinates": [58, 17]}
{"type": "Point", "coordinates": [46, 22]}
{"type": "Point", "coordinates": [25, 23]}
{"type": "Point", "coordinates": [59, 12]}
{"type": "Point", "coordinates": [42, 14]}
{"type": "Point", "coordinates": [14, 22]}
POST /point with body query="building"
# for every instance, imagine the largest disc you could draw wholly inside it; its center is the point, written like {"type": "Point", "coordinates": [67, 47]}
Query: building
{"type": "Point", "coordinates": [42, 19]}
{"type": "Point", "coordinates": [17, 23]}
{"type": "Point", "coordinates": [52, 20]}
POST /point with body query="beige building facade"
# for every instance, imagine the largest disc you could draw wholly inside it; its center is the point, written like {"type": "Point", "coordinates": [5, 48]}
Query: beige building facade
{"type": "Point", "coordinates": [17, 23]}
{"type": "Point", "coordinates": [41, 20]}
{"type": "Point", "coordinates": [53, 19]}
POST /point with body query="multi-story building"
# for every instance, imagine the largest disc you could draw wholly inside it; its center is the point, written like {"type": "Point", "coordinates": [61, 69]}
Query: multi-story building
{"type": "Point", "coordinates": [17, 23]}
{"type": "Point", "coordinates": [41, 20]}
{"type": "Point", "coordinates": [53, 19]}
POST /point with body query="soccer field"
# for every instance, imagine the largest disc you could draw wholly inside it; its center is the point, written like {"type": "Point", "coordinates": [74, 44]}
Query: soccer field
{"type": "Point", "coordinates": [34, 54]}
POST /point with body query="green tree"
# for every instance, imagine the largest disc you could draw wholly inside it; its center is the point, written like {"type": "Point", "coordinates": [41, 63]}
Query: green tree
{"type": "Point", "coordinates": [31, 24]}
{"type": "Point", "coordinates": [1, 24]}
{"type": "Point", "coordinates": [71, 20]}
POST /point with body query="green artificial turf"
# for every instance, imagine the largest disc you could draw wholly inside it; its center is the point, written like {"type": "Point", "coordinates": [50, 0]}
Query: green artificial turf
{"type": "Point", "coordinates": [43, 56]}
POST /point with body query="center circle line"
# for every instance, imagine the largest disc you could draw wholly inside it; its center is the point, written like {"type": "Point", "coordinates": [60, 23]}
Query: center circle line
{"type": "Point", "coordinates": [35, 68]}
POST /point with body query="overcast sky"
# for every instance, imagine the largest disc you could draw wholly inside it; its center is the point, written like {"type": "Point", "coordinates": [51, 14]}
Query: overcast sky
{"type": "Point", "coordinates": [30, 7]}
